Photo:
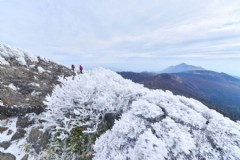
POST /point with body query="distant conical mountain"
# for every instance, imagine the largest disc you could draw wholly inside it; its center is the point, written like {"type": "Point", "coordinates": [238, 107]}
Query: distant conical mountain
{"type": "Point", "coordinates": [183, 67]}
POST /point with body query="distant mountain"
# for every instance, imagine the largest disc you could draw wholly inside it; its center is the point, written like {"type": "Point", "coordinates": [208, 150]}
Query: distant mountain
{"type": "Point", "coordinates": [217, 90]}
{"type": "Point", "coordinates": [237, 77]}
{"type": "Point", "coordinates": [183, 67]}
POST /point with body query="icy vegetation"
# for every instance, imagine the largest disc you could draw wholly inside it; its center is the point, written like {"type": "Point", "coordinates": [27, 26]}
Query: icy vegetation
{"type": "Point", "coordinates": [153, 124]}
{"type": "Point", "coordinates": [149, 124]}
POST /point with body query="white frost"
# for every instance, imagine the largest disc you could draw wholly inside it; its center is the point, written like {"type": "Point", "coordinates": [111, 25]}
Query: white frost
{"type": "Point", "coordinates": [40, 69]}
{"type": "Point", "coordinates": [3, 61]}
{"type": "Point", "coordinates": [154, 124]}
{"type": "Point", "coordinates": [34, 84]}
{"type": "Point", "coordinates": [13, 87]}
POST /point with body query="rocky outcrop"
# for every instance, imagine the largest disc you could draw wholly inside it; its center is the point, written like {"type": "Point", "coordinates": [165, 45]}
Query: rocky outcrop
{"type": "Point", "coordinates": [25, 81]}
{"type": "Point", "coordinates": [20, 110]}
{"type": "Point", "coordinates": [5, 144]}
{"type": "Point", "coordinates": [7, 156]}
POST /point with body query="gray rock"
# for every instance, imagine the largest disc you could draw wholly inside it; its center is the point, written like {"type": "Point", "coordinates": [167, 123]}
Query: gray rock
{"type": "Point", "coordinates": [23, 122]}
{"type": "Point", "coordinates": [5, 144]}
{"type": "Point", "coordinates": [7, 156]}
{"type": "Point", "coordinates": [25, 157]}
{"type": "Point", "coordinates": [9, 132]}
{"type": "Point", "coordinates": [38, 139]}
{"type": "Point", "coordinates": [19, 134]}
{"type": "Point", "coordinates": [21, 110]}
{"type": "Point", "coordinates": [109, 119]}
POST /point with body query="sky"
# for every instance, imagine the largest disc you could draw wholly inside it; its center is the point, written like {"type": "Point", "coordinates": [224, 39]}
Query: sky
{"type": "Point", "coordinates": [126, 35]}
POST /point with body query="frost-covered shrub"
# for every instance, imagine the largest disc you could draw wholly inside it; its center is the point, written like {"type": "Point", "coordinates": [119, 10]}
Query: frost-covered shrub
{"type": "Point", "coordinates": [153, 124]}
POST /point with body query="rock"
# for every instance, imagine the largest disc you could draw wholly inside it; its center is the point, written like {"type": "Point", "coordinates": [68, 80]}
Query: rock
{"type": "Point", "coordinates": [5, 144]}
{"type": "Point", "coordinates": [38, 139]}
{"type": "Point", "coordinates": [9, 132]}
{"type": "Point", "coordinates": [7, 156]}
{"type": "Point", "coordinates": [20, 110]}
{"type": "Point", "coordinates": [3, 117]}
{"type": "Point", "coordinates": [19, 134]}
{"type": "Point", "coordinates": [23, 122]}
{"type": "Point", "coordinates": [2, 129]}
{"type": "Point", "coordinates": [25, 157]}
{"type": "Point", "coordinates": [109, 119]}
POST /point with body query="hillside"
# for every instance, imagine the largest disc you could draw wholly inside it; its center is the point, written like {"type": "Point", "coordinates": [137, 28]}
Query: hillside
{"type": "Point", "coordinates": [183, 67]}
{"type": "Point", "coordinates": [217, 90]}
{"type": "Point", "coordinates": [99, 115]}
{"type": "Point", "coordinates": [25, 81]}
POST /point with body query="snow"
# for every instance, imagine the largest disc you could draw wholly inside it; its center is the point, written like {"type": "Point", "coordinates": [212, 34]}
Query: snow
{"type": "Point", "coordinates": [13, 87]}
{"type": "Point", "coordinates": [21, 60]}
{"type": "Point", "coordinates": [40, 69]}
{"type": "Point", "coordinates": [20, 55]}
{"type": "Point", "coordinates": [3, 61]}
{"type": "Point", "coordinates": [34, 93]}
{"type": "Point", "coordinates": [34, 84]}
{"type": "Point", "coordinates": [1, 103]}
{"type": "Point", "coordinates": [154, 125]}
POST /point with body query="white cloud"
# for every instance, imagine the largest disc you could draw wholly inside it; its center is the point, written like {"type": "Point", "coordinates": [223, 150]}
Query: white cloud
{"type": "Point", "coordinates": [123, 31]}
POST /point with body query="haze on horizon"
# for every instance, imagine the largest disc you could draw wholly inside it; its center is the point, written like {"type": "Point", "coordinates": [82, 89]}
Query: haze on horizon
{"type": "Point", "coordinates": [126, 35]}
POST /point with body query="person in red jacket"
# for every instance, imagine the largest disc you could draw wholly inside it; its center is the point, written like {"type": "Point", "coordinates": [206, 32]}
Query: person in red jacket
{"type": "Point", "coordinates": [81, 68]}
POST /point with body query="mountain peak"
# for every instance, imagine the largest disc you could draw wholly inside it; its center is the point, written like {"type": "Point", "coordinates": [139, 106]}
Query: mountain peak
{"type": "Point", "coordinates": [183, 64]}
{"type": "Point", "coordinates": [182, 67]}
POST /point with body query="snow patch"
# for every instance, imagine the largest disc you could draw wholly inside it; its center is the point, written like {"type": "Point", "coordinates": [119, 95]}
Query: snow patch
{"type": "Point", "coordinates": [34, 84]}
{"type": "Point", "coordinates": [13, 87]}
{"type": "Point", "coordinates": [1, 103]}
{"type": "Point", "coordinates": [21, 60]}
{"type": "Point", "coordinates": [3, 61]}
{"type": "Point", "coordinates": [40, 69]}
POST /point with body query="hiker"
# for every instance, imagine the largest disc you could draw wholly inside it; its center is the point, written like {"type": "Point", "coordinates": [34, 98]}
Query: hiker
{"type": "Point", "coordinates": [73, 67]}
{"type": "Point", "coordinates": [81, 69]}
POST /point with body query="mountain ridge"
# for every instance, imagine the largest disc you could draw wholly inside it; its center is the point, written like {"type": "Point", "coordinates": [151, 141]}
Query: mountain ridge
{"type": "Point", "coordinates": [217, 90]}
{"type": "Point", "coordinates": [183, 67]}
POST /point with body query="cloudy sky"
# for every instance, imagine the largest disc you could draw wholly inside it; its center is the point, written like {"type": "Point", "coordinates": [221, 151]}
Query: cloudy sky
{"type": "Point", "coordinates": [136, 35]}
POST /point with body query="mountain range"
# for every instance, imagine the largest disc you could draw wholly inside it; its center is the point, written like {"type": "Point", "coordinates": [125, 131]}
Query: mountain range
{"type": "Point", "coordinates": [219, 91]}
{"type": "Point", "coordinates": [49, 112]}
